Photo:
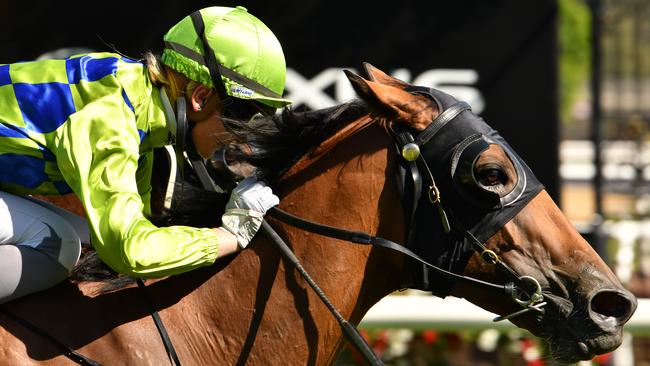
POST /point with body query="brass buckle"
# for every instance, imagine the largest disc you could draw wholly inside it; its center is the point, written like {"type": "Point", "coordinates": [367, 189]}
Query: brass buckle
{"type": "Point", "coordinates": [434, 195]}
{"type": "Point", "coordinates": [490, 256]}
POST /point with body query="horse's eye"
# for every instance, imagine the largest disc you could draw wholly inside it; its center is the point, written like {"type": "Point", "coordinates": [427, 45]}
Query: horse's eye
{"type": "Point", "coordinates": [491, 176]}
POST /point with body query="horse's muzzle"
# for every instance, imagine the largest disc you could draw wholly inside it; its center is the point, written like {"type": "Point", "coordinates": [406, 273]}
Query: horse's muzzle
{"type": "Point", "coordinates": [608, 309]}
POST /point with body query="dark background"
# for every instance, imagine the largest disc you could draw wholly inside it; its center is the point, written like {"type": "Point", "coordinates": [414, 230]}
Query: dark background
{"type": "Point", "coordinates": [510, 43]}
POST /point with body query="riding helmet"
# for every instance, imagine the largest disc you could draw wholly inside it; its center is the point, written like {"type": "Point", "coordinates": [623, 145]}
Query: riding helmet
{"type": "Point", "coordinates": [250, 58]}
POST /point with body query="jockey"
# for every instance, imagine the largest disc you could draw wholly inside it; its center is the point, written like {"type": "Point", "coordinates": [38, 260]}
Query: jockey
{"type": "Point", "coordinates": [88, 124]}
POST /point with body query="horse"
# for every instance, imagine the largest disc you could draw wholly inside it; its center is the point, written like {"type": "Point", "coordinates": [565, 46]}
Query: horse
{"type": "Point", "coordinates": [460, 211]}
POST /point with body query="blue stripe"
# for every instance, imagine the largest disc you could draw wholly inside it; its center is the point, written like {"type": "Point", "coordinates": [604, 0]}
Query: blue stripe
{"type": "Point", "coordinates": [5, 78]}
{"type": "Point", "coordinates": [45, 107]}
{"type": "Point", "coordinates": [12, 131]}
{"type": "Point", "coordinates": [142, 134]}
{"type": "Point", "coordinates": [62, 187]}
{"type": "Point", "coordinates": [47, 154]}
{"type": "Point", "coordinates": [23, 170]}
{"type": "Point", "coordinates": [88, 68]}
{"type": "Point", "coordinates": [127, 100]}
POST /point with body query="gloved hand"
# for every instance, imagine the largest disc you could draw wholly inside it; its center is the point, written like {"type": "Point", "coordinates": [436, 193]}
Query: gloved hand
{"type": "Point", "coordinates": [245, 210]}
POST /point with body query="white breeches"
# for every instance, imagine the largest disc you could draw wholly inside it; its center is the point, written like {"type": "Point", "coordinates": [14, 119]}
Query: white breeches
{"type": "Point", "coordinates": [39, 245]}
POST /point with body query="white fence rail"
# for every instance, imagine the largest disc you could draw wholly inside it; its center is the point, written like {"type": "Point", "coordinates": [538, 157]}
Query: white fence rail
{"type": "Point", "coordinates": [622, 160]}
{"type": "Point", "coordinates": [429, 312]}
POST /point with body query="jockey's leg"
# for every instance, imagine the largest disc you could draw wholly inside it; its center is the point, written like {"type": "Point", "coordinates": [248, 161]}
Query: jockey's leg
{"type": "Point", "coordinates": [38, 248]}
{"type": "Point", "coordinates": [79, 223]}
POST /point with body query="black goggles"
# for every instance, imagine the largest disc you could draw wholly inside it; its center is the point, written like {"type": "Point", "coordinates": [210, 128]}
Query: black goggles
{"type": "Point", "coordinates": [244, 109]}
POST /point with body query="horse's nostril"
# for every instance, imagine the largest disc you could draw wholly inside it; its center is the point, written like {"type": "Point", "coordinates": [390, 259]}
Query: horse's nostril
{"type": "Point", "coordinates": [613, 304]}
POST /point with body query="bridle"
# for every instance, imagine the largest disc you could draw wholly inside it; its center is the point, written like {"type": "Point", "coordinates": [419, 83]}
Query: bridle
{"type": "Point", "coordinates": [523, 290]}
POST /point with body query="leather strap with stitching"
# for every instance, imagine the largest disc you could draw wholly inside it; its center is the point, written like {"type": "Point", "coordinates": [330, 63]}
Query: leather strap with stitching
{"type": "Point", "coordinates": [443, 118]}
{"type": "Point", "coordinates": [360, 237]}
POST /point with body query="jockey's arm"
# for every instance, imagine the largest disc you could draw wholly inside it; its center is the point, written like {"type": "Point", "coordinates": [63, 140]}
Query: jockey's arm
{"type": "Point", "coordinates": [99, 153]}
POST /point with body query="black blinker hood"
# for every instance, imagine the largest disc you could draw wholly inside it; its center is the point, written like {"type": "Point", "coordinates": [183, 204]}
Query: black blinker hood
{"type": "Point", "coordinates": [452, 251]}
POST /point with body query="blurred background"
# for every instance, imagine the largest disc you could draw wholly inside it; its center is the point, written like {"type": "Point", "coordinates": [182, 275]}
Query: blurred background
{"type": "Point", "coordinates": [566, 82]}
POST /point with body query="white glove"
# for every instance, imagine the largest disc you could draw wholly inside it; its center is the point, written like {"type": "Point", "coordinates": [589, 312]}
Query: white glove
{"type": "Point", "coordinates": [245, 210]}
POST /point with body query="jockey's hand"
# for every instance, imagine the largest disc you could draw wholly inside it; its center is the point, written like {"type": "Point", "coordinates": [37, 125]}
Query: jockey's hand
{"type": "Point", "coordinates": [245, 210]}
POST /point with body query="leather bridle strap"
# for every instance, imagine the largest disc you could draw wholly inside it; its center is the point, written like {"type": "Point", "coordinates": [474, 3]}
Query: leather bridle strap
{"type": "Point", "coordinates": [515, 289]}
{"type": "Point", "coordinates": [440, 122]}
{"type": "Point", "coordinates": [171, 352]}
{"type": "Point", "coordinates": [490, 256]}
{"type": "Point", "coordinates": [359, 237]}
{"type": "Point", "coordinates": [351, 333]}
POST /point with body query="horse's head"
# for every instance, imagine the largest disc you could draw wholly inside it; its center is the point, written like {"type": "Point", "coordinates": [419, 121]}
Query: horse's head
{"type": "Point", "coordinates": [532, 266]}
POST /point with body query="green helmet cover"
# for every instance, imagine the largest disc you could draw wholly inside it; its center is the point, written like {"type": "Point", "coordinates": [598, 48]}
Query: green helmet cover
{"type": "Point", "coordinates": [250, 57]}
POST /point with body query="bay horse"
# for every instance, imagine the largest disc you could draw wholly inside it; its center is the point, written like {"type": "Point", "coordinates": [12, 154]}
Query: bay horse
{"type": "Point", "coordinates": [407, 164]}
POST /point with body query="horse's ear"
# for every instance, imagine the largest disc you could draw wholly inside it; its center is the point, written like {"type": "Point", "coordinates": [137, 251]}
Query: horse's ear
{"type": "Point", "coordinates": [359, 84]}
{"type": "Point", "coordinates": [381, 77]}
{"type": "Point", "coordinates": [393, 102]}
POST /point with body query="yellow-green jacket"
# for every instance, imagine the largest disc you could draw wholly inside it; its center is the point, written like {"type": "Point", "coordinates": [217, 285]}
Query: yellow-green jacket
{"type": "Point", "coordinates": [88, 125]}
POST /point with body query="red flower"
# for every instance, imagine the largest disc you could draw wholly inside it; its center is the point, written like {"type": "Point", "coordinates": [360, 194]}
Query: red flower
{"type": "Point", "coordinates": [429, 336]}
{"type": "Point", "coordinates": [602, 359]}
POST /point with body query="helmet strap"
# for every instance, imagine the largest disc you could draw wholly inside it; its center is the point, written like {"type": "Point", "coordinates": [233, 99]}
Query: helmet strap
{"type": "Point", "coordinates": [182, 127]}
{"type": "Point", "coordinates": [210, 59]}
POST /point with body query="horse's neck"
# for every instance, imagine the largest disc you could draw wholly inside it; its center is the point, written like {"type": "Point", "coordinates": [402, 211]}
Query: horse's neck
{"type": "Point", "coordinates": [352, 186]}
{"type": "Point", "coordinates": [259, 293]}
{"type": "Point", "coordinates": [333, 141]}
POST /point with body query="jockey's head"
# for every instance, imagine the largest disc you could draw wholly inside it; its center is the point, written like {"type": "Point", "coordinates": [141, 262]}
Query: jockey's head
{"type": "Point", "coordinates": [233, 52]}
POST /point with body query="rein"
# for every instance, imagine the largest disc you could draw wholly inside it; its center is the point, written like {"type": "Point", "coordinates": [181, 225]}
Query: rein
{"type": "Point", "coordinates": [348, 329]}
{"type": "Point", "coordinates": [516, 288]}
{"type": "Point", "coordinates": [359, 237]}
{"type": "Point", "coordinates": [171, 352]}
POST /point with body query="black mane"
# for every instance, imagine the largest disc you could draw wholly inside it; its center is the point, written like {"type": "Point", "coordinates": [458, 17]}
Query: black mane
{"type": "Point", "coordinates": [279, 141]}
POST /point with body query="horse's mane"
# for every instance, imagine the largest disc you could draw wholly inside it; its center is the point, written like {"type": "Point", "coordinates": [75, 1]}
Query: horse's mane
{"type": "Point", "coordinates": [278, 141]}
